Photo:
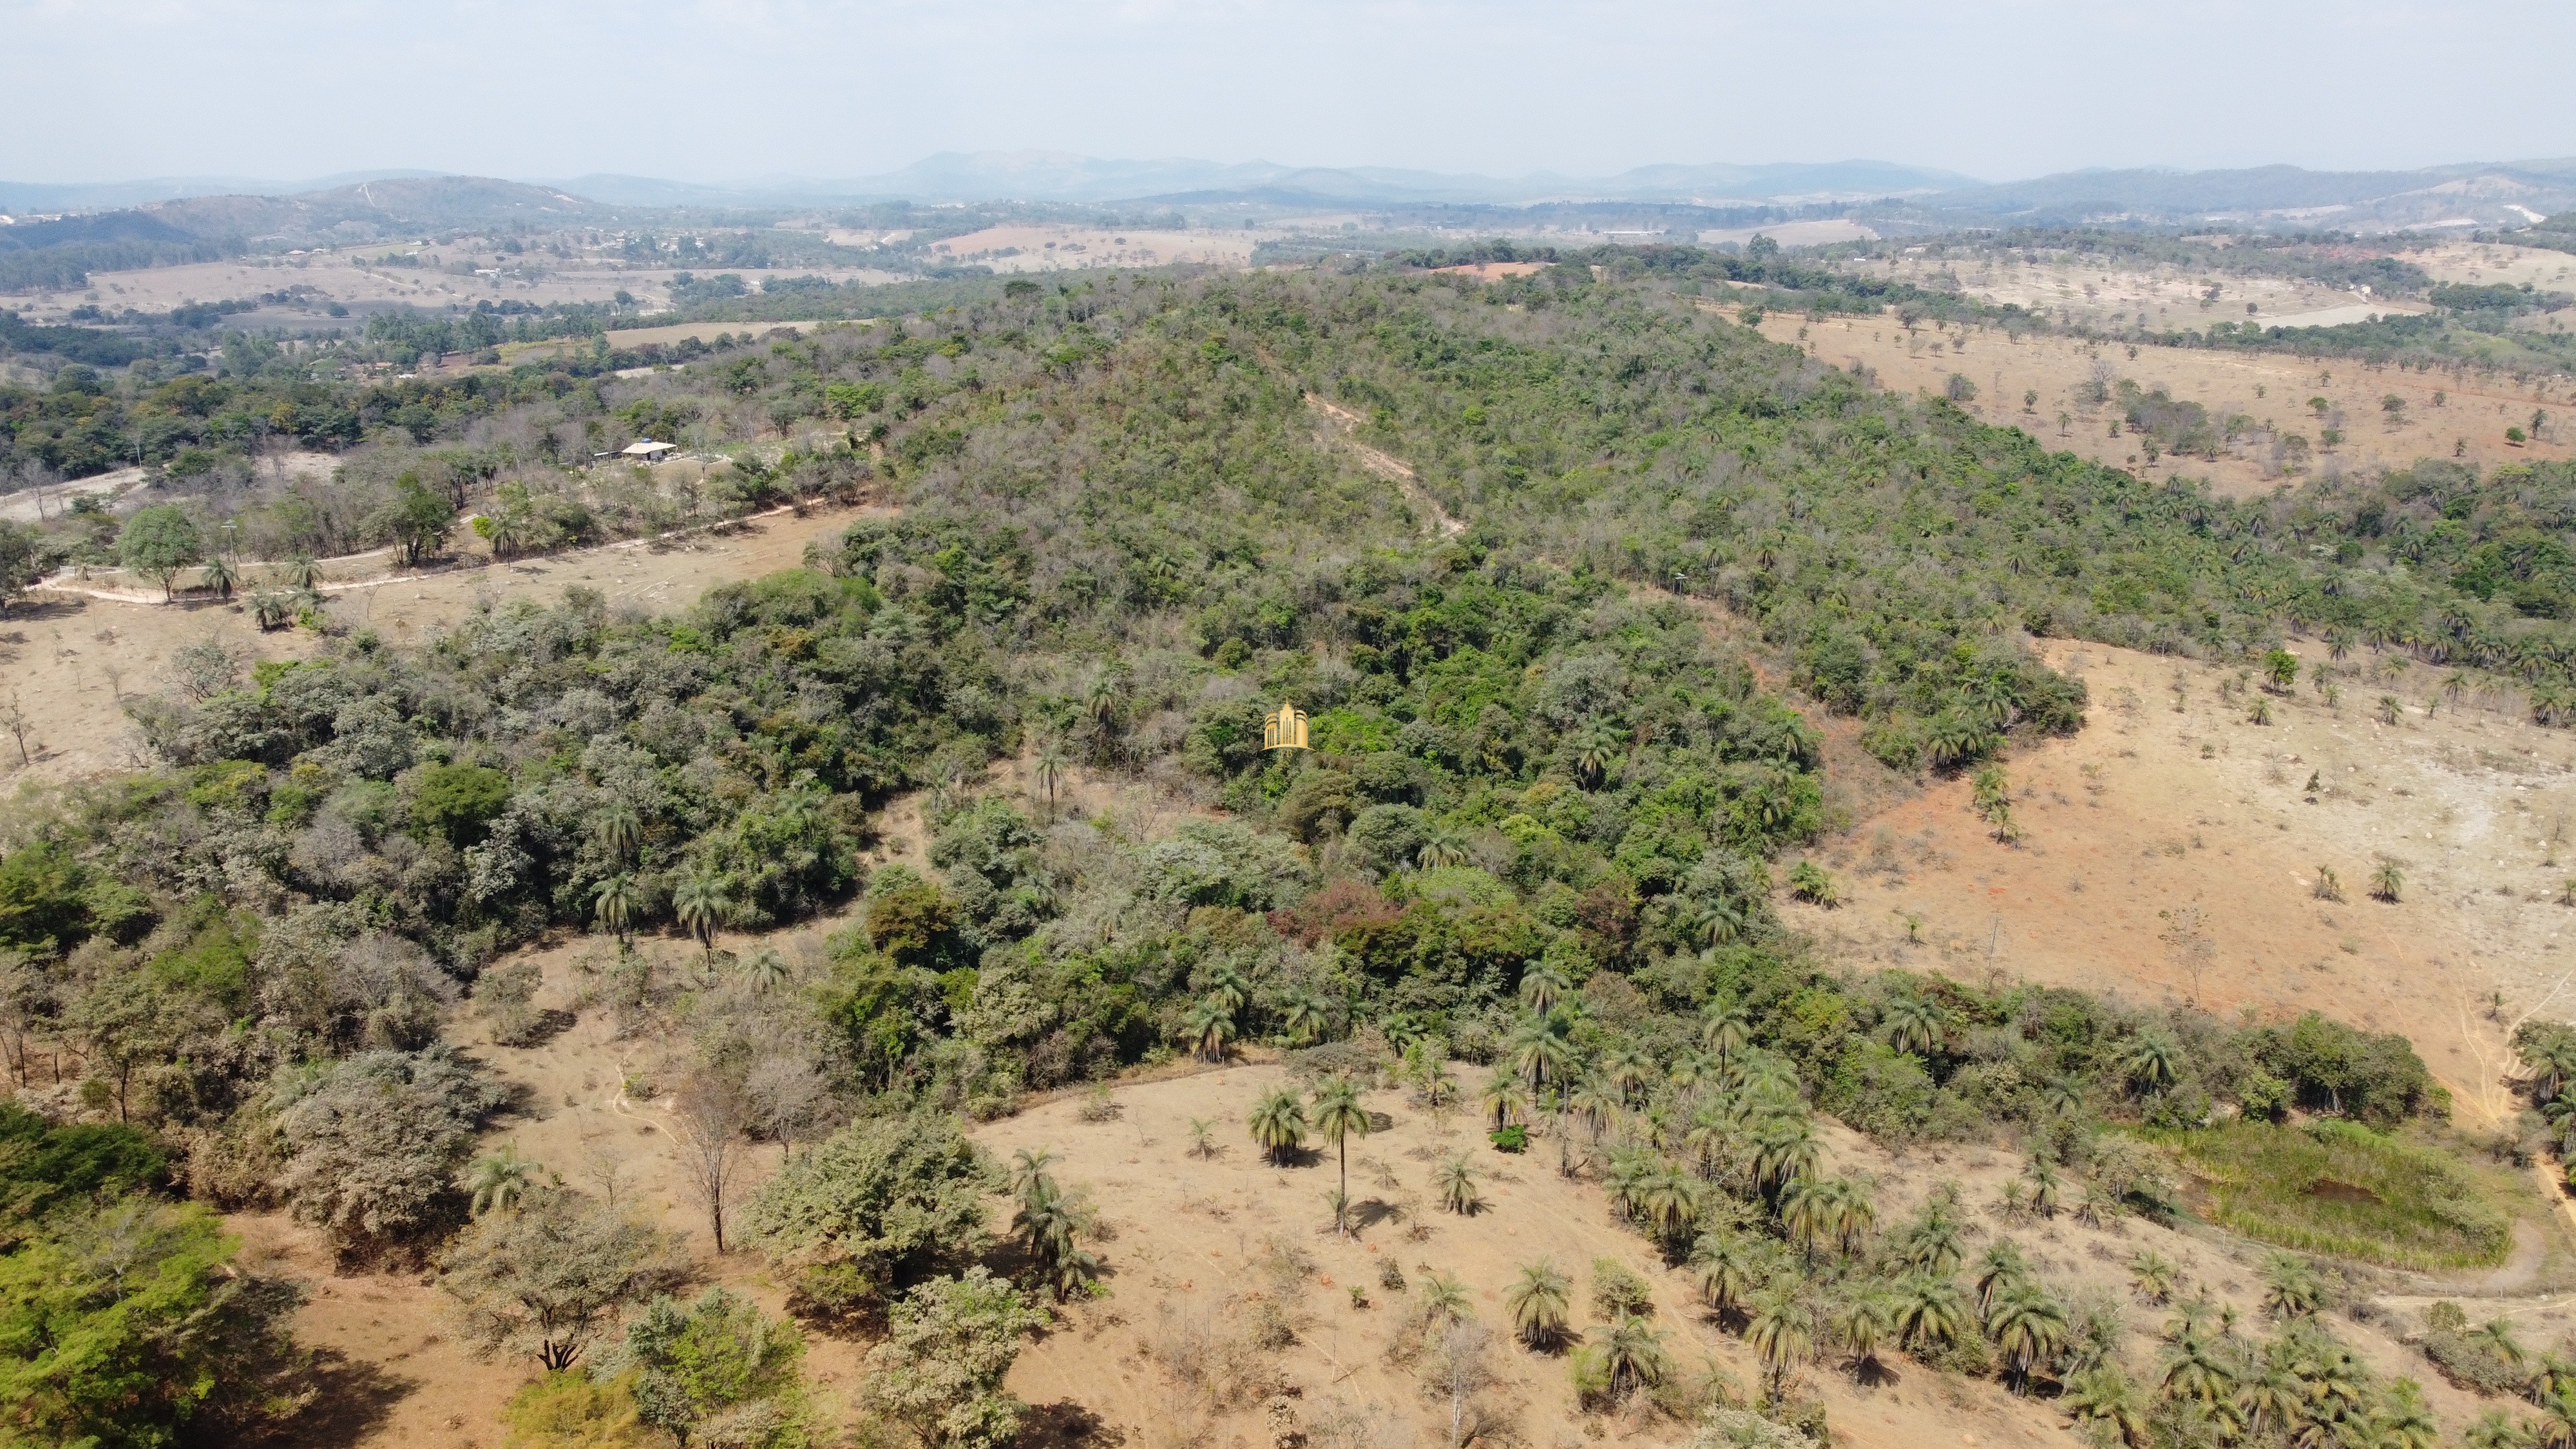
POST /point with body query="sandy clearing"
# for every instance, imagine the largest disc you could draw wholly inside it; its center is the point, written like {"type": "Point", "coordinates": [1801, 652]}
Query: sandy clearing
{"type": "Point", "coordinates": [2488, 263]}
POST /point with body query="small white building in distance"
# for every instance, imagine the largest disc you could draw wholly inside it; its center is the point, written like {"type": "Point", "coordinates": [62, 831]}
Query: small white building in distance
{"type": "Point", "coordinates": [648, 450]}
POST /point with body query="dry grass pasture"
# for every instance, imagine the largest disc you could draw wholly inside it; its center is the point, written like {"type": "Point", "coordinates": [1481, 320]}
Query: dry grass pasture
{"type": "Point", "coordinates": [1038, 248]}
{"type": "Point", "coordinates": [2171, 852]}
{"type": "Point", "coordinates": [2267, 387]}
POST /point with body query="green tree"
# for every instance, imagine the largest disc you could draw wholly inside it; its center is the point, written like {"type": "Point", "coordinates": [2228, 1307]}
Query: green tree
{"type": "Point", "coordinates": [129, 1326]}
{"type": "Point", "coordinates": [939, 1371]}
{"type": "Point", "coordinates": [719, 1358]}
{"type": "Point", "coordinates": [882, 1199]}
{"type": "Point", "coordinates": [158, 542]}
{"type": "Point", "coordinates": [417, 518]}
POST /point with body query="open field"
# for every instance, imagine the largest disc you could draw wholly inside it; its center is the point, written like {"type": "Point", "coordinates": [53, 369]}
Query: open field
{"type": "Point", "coordinates": [2104, 296]}
{"type": "Point", "coordinates": [1061, 248]}
{"type": "Point", "coordinates": [2266, 387]}
{"type": "Point", "coordinates": [2172, 854]}
{"type": "Point", "coordinates": [2490, 263]}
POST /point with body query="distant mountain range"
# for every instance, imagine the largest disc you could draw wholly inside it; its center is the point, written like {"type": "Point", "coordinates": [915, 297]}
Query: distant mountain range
{"type": "Point", "coordinates": [178, 218]}
{"type": "Point", "coordinates": [1061, 176]}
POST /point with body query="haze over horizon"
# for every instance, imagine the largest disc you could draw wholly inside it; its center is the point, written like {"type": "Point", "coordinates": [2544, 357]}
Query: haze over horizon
{"type": "Point", "coordinates": [720, 91]}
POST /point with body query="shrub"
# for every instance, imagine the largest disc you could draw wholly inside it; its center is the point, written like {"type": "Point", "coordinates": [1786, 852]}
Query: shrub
{"type": "Point", "coordinates": [939, 1371]}
{"type": "Point", "coordinates": [882, 1200]}
{"type": "Point", "coordinates": [374, 1141]}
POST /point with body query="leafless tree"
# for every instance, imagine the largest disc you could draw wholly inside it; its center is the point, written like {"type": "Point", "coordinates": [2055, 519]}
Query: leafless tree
{"type": "Point", "coordinates": [708, 1123]}
{"type": "Point", "coordinates": [13, 718]}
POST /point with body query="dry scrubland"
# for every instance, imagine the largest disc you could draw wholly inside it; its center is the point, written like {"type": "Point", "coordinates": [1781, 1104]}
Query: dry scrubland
{"type": "Point", "coordinates": [352, 276]}
{"type": "Point", "coordinates": [2269, 387]}
{"type": "Point", "coordinates": [71, 656]}
{"type": "Point", "coordinates": [1054, 248]}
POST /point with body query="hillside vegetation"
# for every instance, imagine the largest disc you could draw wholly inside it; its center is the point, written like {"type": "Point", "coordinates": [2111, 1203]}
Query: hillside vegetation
{"type": "Point", "coordinates": [1541, 830]}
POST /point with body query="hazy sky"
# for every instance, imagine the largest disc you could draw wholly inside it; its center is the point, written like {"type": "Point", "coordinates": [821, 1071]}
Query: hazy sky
{"type": "Point", "coordinates": [720, 89]}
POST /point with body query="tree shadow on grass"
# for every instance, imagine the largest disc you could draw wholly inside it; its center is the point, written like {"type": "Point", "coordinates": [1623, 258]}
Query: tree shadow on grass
{"type": "Point", "coordinates": [1065, 1424]}
{"type": "Point", "coordinates": [351, 1399]}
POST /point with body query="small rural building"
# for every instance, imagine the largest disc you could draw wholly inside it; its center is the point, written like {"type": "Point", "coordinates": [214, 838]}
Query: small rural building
{"type": "Point", "coordinates": [646, 450]}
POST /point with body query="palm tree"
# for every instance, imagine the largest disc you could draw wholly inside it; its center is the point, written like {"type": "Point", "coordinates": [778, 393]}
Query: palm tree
{"type": "Point", "coordinates": [1455, 1180]}
{"type": "Point", "coordinates": [1594, 1105]}
{"type": "Point", "coordinates": [2046, 1186]}
{"type": "Point", "coordinates": [1226, 986]}
{"type": "Point", "coordinates": [497, 1183]}
{"type": "Point", "coordinates": [2193, 1370]}
{"type": "Point", "coordinates": [1782, 1330]}
{"type": "Point", "coordinates": [1304, 1017]}
{"type": "Point", "coordinates": [1504, 1101]}
{"type": "Point", "coordinates": [301, 573]}
{"type": "Point", "coordinates": [2000, 1270]}
{"type": "Point", "coordinates": [2151, 1276]}
{"type": "Point", "coordinates": [1724, 1031]}
{"type": "Point", "coordinates": [2103, 1398]}
{"type": "Point", "coordinates": [218, 576]}
{"type": "Point", "coordinates": [1537, 1302]}
{"type": "Point", "coordinates": [1670, 1204]}
{"type": "Point", "coordinates": [700, 902]}
{"type": "Point", "coordinates": [1596, 749]}
{"type": "Point", "coordinates": [2400, 1421]}
{"type": "Point", "coordinates": [1339, 1115]}
{"type": "Point", "coordinates": [1278, 1124]}
{"type": "Point", "coordinates": [2152, 1062]}
{"type": "Point", "coordinates": [1628, 1070]}
{"type": "Point", "coordinates": [1052, 763]}
{"type": "Point", "coordinates": [613, 902]}
{"type": "Point", "coordinates": [1543, 987]}
{"type": "Point", "coordinates": [1913, 1025]}
{"type": "Point", "coordinates": [1863, 1325]}
{"type": "Point", "coordinates": [1709, 920]}
{"type": "Point", "coordinates": [1784, 1151]}
{"type": "Point", "coordinates": [1444, 1299]}
{"type": "Point", "coordinates": [1930, 1311]}
{"type": "Point", "coordinates": [766, 971]}
{"type": "Point", "coordinates": [1932, 1242]}
{"type": "Point", "coordinates": [2387, 880]}
{"type": "Point", "coordinates": [1211, 1026]}
{"type": "Point", "coordinates": [1047, 1222]}
{"type": "Point", "coordinates": [1850, 1213]}
{"type": "Point", "coordinates": [2064, 1095]}
{"type": "Point", "coordinates": [1203, 1141]}
{"type": "Point", "coordinates": [1724, 1270]}
{"type": "Point", "coordinates": [1540, 1050]}
{"type": "Point", "coordinates": [1441, 845]}
{"type": "Point", "coordinates": [2029, 1328]}
{"type": "Point", "coordinates": [2270, 1399]}
{"type": "Point", "coordinates": [1633, 1356]}
{"type": "Point", "coordinates": [1028, 1170]}
{"type": "Point", "coordinates": [618, 830]}
{"type": "Point", "coordinates": [2290, 1287]}
{"type": "Point", "coordinates": [270, 610]}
